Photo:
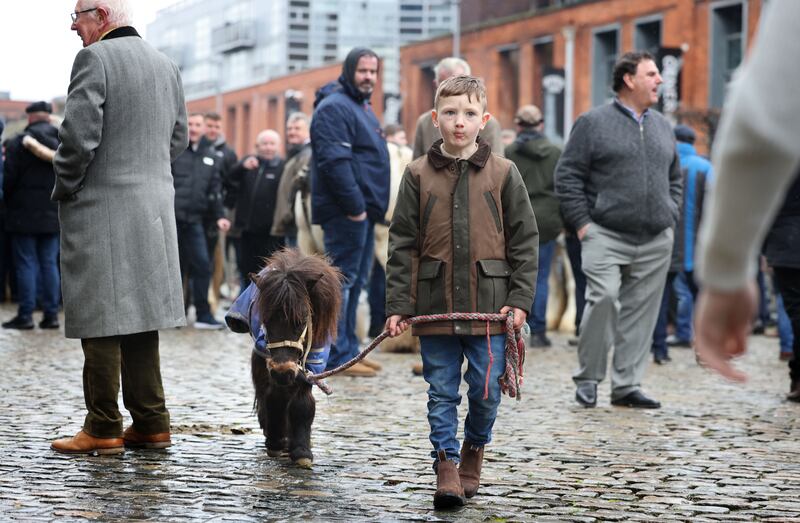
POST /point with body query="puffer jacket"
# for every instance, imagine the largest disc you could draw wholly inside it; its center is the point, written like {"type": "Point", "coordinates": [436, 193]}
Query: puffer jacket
{"type": "Point", "coordinates": [198, 187]}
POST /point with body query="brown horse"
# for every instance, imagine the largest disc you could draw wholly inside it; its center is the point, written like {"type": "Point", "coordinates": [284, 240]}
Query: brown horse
{"type": "Point", "coordinates": [298, 301]}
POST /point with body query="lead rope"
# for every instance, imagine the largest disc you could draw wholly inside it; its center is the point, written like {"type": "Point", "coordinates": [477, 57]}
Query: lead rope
{"type": "Point", "coordinates": [510, 381]}
{"type": "Point", "coordinates": [491, 362]}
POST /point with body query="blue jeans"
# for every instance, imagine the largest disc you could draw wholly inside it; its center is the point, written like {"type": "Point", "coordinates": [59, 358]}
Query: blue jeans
{"type": "Point", "coordinates": [193, 255]}
{"type": "Point", "coordinates": [36, 262]}
{"type": "Point", "coordinates": [683, 320]}
{"type": "Point", "coordinates": [350, 247]}
{"type": "Point", "coordinates": [442, 357]}
{"type": "Point", "coordinates": [785, 333]}
{"type": "Point", "coordinates": [538, 318]}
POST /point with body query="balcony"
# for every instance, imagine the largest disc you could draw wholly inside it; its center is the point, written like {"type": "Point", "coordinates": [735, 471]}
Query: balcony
{"type": "Point", "coordinates": [177, 53]}
{"type": "Point", "coordinates": [233, 37]}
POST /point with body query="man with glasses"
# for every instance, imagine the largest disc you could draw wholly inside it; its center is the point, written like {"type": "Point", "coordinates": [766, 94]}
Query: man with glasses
{"type": "Point", "coordinates": [124, 123]}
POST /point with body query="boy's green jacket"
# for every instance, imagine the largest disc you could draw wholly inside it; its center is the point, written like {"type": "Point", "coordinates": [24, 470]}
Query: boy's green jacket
{"type": "Point", "coordinates": [463, 238]}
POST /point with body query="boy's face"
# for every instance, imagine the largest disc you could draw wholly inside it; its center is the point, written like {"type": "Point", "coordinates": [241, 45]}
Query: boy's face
{"type": "Point", "coordinates": [460, 120]}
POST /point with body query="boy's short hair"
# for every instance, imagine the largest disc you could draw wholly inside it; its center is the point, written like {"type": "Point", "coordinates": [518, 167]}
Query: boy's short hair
{"type": "Point", "coordinates": [461, 84]}
{"type": "Point", "coordinates": [213, 116]}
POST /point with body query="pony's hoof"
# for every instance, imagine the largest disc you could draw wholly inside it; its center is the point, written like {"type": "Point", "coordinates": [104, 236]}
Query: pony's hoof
{"type": "Point", "coordinates": [276, 453]}
{"type": "Point", "coordinates": [304, 463]}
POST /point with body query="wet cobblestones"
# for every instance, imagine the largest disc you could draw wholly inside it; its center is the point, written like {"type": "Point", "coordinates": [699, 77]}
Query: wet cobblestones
{"type": "Point", "coordinates": [714, 452]}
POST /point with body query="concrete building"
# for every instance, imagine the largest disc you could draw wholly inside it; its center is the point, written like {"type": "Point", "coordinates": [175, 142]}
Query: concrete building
{"type": "Point", "coordinates": [559, 55]}
{"type": "Point", "coordinates": [224, 45]}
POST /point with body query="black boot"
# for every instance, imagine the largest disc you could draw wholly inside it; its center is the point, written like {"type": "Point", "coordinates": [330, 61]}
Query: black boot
{"type": "Point", "coordinates": [18, 322]}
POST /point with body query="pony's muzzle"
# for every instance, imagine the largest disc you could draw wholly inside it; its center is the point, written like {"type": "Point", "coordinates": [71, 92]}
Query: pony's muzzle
{"type": "Point", "coordinates": [283, 373]}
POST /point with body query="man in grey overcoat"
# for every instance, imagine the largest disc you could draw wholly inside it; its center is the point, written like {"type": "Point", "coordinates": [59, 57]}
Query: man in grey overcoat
{"type": "Point", "coordinates": [124, 123]}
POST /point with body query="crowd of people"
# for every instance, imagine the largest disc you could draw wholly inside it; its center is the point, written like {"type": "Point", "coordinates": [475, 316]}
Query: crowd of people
{"type": "Point", "coordinates": [472, 215]}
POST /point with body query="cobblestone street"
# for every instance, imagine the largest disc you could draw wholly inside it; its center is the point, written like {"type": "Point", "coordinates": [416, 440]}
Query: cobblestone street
{"type": "Point", "coordinates": [714, 452]}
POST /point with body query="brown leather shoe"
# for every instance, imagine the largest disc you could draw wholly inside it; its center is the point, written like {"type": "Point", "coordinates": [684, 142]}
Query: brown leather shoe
{"type": "Point", "coordinates": [470, 468]}
{"type": "Point", "coordinates": [449, 492]}
{"type": "Point", "coordinates": [84, 443]}
{"type": "Point", "coordinates": [794, 393]}
{"type": "Point", "coordinates": [137, 440]}
{"type": "Point", "coordinates": [374, 365]}
{"type": "Point", "coordinates": [359, 370]}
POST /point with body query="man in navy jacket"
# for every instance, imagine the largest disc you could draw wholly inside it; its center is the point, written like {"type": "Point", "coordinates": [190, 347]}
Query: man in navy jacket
{"type": "Point", "coordinates": [349, 187]}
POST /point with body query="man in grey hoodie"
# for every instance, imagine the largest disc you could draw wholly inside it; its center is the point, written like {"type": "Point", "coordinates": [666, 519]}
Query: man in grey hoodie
{"type": "Point", "coordinates": [619, 183]}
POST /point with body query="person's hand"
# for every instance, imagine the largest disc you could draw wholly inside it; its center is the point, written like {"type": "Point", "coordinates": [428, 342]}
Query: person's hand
{"type": "Point", "coordinates": [395, 325]}
{"type": "Point", "coordinates": [250, 163]}
{"type": "Point", "coordinates": [358, 218]}
{"type": "Point", "coordinates": [224, 224]}
{"type": "Point", "coordinates": [721, 325]}
{"type": "Point", "coordinates": [519, 315]}
{"type": "Point", "coordinates": [583, 230]}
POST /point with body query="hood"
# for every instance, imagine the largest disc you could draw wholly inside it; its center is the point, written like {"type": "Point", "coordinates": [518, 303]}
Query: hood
{"type": "Point", "coordinates": [45, 133]}
{"type": "Point", "coordinates": [686, 149]}
{"type": "Point", "coordinates": [349, 72]}
{"type": "Point", "coordinates": [326, 90]}
{"type": "Point", "coordinates": [533, 145]}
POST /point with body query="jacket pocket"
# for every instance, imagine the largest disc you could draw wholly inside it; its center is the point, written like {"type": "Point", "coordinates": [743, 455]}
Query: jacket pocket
{"type": "Point", "coordinates": [430, 288]}
{"type": "Point", "coordinates": [493, 276]}
{"type": "Point", "coordinates": [494, 210]}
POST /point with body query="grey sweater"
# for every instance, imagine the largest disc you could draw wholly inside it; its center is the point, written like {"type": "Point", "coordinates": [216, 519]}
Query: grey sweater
{"type": "Point", "coordinates": [621, 175]}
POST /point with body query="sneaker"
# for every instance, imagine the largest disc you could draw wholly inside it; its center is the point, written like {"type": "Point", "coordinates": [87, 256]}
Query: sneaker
{"type": "Point", "coordinates": [19, 323]}
{"type": "Point", "coordinates": [540, 340]}
{"type": "Point", "coordinates": [674, 341]}
{"type": "Point", "coordinates": [207, 323]}
{"type": "Point", "coordinates": [49, 322]}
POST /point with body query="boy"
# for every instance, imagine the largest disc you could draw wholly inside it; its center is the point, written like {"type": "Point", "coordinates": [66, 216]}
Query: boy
{"type": "Point", "coordinates": [463, 238]}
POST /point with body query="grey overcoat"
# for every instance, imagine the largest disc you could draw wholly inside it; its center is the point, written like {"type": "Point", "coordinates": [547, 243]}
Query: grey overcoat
{"type": "Point", "coordinates": [124, 123]}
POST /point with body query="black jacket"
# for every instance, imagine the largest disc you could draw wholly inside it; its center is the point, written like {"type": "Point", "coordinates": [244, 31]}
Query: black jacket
{"type": "Point", "coordinates": [28, 183]}
{"type": "Point", "coordinates": [198, 187]}
{"type": "Point", "coordinates": [226, 161]}
{"type": "Point", "coordinates": [256, 194]}
{"type": "Point", "coordinates": [783, 241]}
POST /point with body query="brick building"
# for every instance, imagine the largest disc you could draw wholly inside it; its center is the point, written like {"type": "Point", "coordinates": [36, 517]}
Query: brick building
{"type": "Point", "coordinates": [248, 111]}
{"type": "Point", "coordinates": [559, 56]}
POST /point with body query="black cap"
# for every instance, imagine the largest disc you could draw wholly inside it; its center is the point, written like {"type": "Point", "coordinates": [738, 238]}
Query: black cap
{"type": "Point", "coordinates": [684, 133]}
{"type": "Point", "coordinates": [39, 107]}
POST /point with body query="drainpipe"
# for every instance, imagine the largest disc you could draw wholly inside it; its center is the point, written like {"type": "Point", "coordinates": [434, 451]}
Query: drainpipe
{"type": "Point", "coordinates": [569, 78]}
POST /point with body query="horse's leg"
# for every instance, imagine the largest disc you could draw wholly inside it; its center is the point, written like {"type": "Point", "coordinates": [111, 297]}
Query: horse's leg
{"type": "Point", "coordinates": [261, 382]}
{"type": "Point", "coordinates": [301, 415]}
{"type": "Point", "coordinates": [277, 400]}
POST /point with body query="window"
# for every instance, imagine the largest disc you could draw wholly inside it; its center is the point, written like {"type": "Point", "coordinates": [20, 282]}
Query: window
{"type": "Point", "coordinates": [647, 36]}
{"type": "Point", "coordinates": [727, 48]}
{"type": "Point", "coordinates": [604, 56]}
{"type": "Point", "coordinates": [509, 67]}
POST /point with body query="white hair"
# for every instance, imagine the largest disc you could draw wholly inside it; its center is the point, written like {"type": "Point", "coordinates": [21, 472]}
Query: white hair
{"type": "Point", "coordinates": [119, 11]}
{"type": "Point", "coordinates": [298, 116]}
{"type": "Point", "coordinates": [451, 64]}
{"type": "Point", "coordinates": [268, 132]}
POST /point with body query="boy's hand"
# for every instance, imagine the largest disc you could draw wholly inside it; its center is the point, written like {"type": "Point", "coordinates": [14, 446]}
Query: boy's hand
{"type": "Point", "coordinates": [395, 325]}
{"type": "Point", "coordinates": [519, 315]}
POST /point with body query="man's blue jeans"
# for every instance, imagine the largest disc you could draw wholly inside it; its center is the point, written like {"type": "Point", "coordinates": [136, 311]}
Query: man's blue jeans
{"type": "Point", "coordinates": [785, 333]}
{"type": "Point", "coordinates": [193, 255]}
{"type": "Point", "coordinates": [350, 247]}
{"type": "Point", "coordinates": [36, 261]}
{"type": "Point", "coordinates": [659, 347]}
{"type": "Point", "coordinates": [538, 318]}
{"type": "Point", "coordinates": [685, 296]}
{"type": "Point", "coordinates": [442, 357]}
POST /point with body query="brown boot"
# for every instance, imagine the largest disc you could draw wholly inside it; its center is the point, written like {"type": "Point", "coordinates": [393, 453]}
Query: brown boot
{"type": "Point", "coordinates": [84, 443]}
{"type": "Point", "coordinates": [470, 468]}
{"type": "Point", "coordinates": [136, 440]}
{"type": "Point", "coordinates": [374, 365]}
{"type": "Point", "coordinates": [359, 370]}
{"type": "Point", "coordinates": [449, 492]}
{"type": "Point", "coordinates": [416, 369]}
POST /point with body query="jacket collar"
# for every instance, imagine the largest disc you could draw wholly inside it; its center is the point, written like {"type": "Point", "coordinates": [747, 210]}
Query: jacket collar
{"type": "Point", "coordinates": [119, 32]}
{"type": "Point", "coordinates": [478, 159]}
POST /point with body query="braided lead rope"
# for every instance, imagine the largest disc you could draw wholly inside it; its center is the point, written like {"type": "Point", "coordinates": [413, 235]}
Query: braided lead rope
{"type": "Point", "coordinates": [510, 381]}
